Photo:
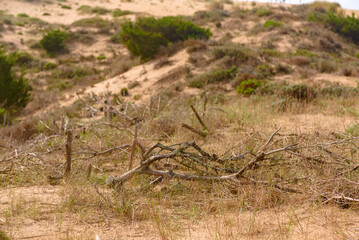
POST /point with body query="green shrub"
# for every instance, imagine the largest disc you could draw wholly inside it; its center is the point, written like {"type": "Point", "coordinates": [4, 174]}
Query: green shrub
{"type": "Point", "coordinates": [264, 70]}
{"type": "Point", "coordinates": [3, 236]}
{"type": "Point", "coordinates": [248, 87]}
{"type": "Point", "coordinates": [353, 130]}
{"type": "Point", "coordinates": [20, 58]}
{"type": "Point", "coordinates": [271, 24]}
{"type": "Point", "coordinates": [124, 92]}
{"type": "Point", "coordinates": [14, 91]}
{"type": "Point", "coordinates": [120, 13]}
{"type": "Point", "coordinates": [145, 37]}
{"type": "Point", "coordinates": [23, 15]}
{"type": "Point", "coordinates": [95, 22]}
{"type": "Point", "coordinates": [85, 9]}
{"type": "Point", "coordinates": [356, 55]}
{"type": "Point", "coordinates": [346, 26]}
{"type": "Point", "coordinates": [49, 66]}
{"type": "Point", "coordinates": [204, 17]}
{"type": "Point", "coordinates": [261, 12]}
{"type": "Point", "coordinates": [236, 53]}
{"type": "Point", "coordinates": [54, 41]}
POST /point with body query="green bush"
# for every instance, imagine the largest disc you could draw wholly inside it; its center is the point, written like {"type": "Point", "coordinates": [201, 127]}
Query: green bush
{"type": "Point", "coordinates": [353, 130]}
{"type": "Point", "coordinates": [271, 24]}
{"type": "Point", "coordinates": [248, 87]}
{"type": "Point", "coordinates": [14, 91]}
{"type": "Point", "coordinates": [356, 55]}
{"type": "Point", "coordinates": [120, 13]}
{"type": "Point", "coordinates": [264, 70]}
{"type": "Point", "coordinates": [85, 9]}
{"type": "Point", "coordinates": [261, 12]}
{"type": "Point", "coordinates": [346, 26]}
{"type": "Point", "coordinates": [20, 58]}
{"type": "Point", "coordinates": [145, 37]}
{"type": "Point", "coordinates": [54, 41]}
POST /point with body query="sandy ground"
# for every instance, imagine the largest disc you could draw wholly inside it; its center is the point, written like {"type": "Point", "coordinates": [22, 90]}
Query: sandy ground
{"type": "Point", "coordinates": [67, 16]}
{"type": "Point", "coordinates": [44, 221]}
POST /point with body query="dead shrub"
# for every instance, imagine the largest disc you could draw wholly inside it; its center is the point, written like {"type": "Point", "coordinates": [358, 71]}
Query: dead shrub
{"type": "Point", "coordinates": [300, 61]}
{"type": "Point", "coordinates": [195, 45]}
{"type": "Point", "coordinates": [326, 66]}
{"type": "Point", "coordinates": [21, 131]}
{"type": "Point", "coordinates": [347, 72]}
{"type": "Point", "coordinates": [162, 61]}
{"type": "Point", "coordinates": [328, 44]}
{"type": "Point", "coordinates": [174, 74]}
{"type": "Point", "coordinates": [163, 126]}
{"type": "Point", "coordinates": [122, 64]}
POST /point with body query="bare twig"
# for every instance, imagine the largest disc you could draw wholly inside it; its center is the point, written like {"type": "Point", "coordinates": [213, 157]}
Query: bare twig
{"type": "Point", "coordinates": [68, 153]}
{"type": "Point", "coordinates": [202, 134]}
{"type": "Point", "coordinates": [198, 117]}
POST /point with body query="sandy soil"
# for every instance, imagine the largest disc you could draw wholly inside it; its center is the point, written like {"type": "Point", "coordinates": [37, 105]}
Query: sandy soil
{"type": "Point", "coordinates": [67, 16]}
{"type": "Point", "coordinates": [324, 222]}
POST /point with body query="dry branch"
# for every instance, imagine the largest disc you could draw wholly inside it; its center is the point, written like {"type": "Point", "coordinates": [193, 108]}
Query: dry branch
{"type": "Point", "coordinates": [68, 153]}
{"type": "Point", "coordinates": [202, 134]}
{"type": "Point", "coordinates": [198, 117]}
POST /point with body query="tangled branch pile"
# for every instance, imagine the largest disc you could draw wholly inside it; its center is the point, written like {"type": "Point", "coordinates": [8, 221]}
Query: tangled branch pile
{"type": "Point", "coordinates": [289, 164]}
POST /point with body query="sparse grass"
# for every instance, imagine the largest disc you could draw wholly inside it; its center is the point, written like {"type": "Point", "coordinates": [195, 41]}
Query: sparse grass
{"type": "Point", "coordinates": [103, 25]}
{"type": "Point", "coordinates": [85, 9]}
{"type": "Point", "coordinates": [120, 13]}
{"type": "Point", "coordinates": [309, 112]}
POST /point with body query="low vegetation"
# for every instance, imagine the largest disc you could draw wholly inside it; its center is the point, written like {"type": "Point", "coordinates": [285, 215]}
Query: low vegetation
{"type": "Point", "coordinates": [14, 89]}
{"type": "Point", "coordinates": [54, 41]}
{"type": "Point", "coordinates": [145, 37]}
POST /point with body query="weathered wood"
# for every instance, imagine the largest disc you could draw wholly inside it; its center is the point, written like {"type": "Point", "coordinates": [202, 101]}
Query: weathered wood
{"type": "Point", "coordinates": [202, 134]}
{"type": "Point", "coordinates": [134, 144]}
{"type": "Point", "coordinates": [198, 117]}
{"type": "Point", "coordinates": [68, 153]}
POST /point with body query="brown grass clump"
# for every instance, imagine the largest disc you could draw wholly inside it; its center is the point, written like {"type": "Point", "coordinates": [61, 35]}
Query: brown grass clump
{"type": "Point", "coordinates": [300, 61]}
{"type": "Point", "coordinates": [20, 131]}
{"type": "Point", "coordinates": [215, 5]}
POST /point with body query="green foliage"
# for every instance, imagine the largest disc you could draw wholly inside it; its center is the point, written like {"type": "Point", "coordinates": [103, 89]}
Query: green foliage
{"type": "Point", "coordinates": [271, 24]}
{"type": "Point", "coordinates": [356, 55]}
{"type": "Point", "coordinates": [353, 130]}
{"type": "Point", "coordinates": [95, 22]}
{"type": "Point", "coordinates": [119, 13]}
{"type": "Point", "coordinates": [20, 58]}
{"type": "Point", "coordinates": [65, 6]}
{"type": "Point", "coordinates": [145, 37]}
{"type": "Point", "coordinates": [101, 57]}
{"type": "Point", "coordinates": [85, 9]}
{"type": "Point", "coordinates": [2, 234]}
{"type": "Point", "coordinates": [204, 17]}
{"type": "Point", "coordinates": [316, 17]}
{"type": "Point", "coordinates": [14, 90]}
{"type": "Point", "coordinates": [305, 53]}
{"type": "Point", "coordinates": [124, 92]}
{"type": "Point", "coordinates": [49, 66]}
{"type": "Point", "coordinates": [23, 15]}
{"type": "Point", "coordinates": [264, 70]}
{"type": "Point", "coordinates": [216, 75]}
{"type": "Point", "coordinates": [54, 41]}
{"type": "Point", "coordinates": [346, 26]}
{"type": "Point", "coordinates": [236, 53]}
{"type": "Point", "coordinates": [248, 87]}
{"type": "Point", "coordinates": [261, 12]}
